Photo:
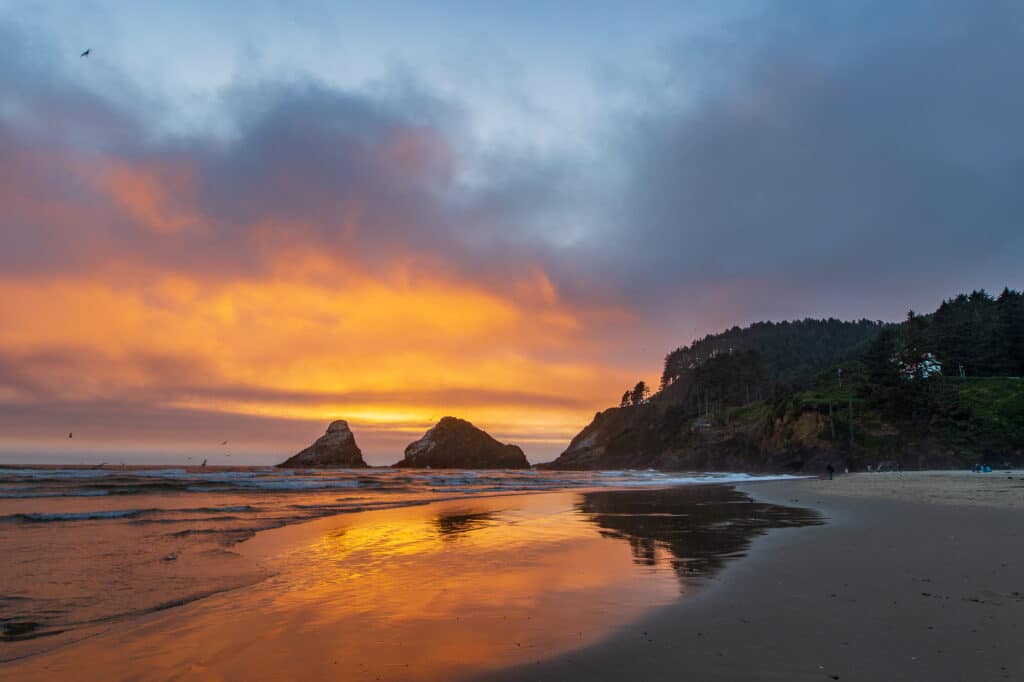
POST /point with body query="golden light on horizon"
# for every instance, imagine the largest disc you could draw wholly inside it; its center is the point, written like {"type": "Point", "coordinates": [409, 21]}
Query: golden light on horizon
{"type": "Point", "coordinates": [315, 321]}
{"type": "Point", "coordinates": [394, 351]}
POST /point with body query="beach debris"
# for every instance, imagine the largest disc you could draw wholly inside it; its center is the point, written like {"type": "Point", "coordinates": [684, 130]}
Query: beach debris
{"type": "Point", "coordinates": [171, 557]}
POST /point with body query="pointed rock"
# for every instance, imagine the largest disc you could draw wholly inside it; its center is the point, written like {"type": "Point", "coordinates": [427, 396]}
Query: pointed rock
{"type": "Point", "coordinates": [456, 444]}
{"type": "Point", "coordinates": [336, 448]}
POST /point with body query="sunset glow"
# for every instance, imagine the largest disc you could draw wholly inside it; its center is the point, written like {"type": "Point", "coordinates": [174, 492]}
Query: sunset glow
{"type": "Point", "coordinates": [395, 352]}
{"type": "Point", "coordinates": [249, 238]}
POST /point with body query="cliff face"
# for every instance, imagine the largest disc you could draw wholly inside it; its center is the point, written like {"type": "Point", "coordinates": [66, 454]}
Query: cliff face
{"type": "Point", "coordinates": [983, 420]}
{"type": "Point", "coordinates": [456, 444]}
{"type": "Point", "coordinates": [336, 448]}
{"type": "Point", "coordinates": [652, 436]}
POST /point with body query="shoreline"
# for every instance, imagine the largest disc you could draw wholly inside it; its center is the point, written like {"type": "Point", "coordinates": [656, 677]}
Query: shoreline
{"type": "Point", "coordinates": [207, 550]}
{"type": "Point", "coordinates": [894, 589]}
{"type": "Point", "coordinates": [887, 589]}
{"type": "Point", "coordinates": [527, 575]}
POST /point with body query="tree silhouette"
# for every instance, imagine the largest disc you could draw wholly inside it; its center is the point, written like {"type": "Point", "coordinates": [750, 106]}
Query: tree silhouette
{"type": "Point", "coordinates": [639, 394]}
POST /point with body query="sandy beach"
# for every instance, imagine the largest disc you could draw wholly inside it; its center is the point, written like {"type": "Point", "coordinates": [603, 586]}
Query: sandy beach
{"type": "Point", "coordinates": [917, 576]}
{"type": "Point", "coordinates": [914, 576]}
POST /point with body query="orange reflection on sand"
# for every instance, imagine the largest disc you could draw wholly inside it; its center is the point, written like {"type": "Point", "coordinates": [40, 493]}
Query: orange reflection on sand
{"type": "Point", "coordinates": [419, 593]}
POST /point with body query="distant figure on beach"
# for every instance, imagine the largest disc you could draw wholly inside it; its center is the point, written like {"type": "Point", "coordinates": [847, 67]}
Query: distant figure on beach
{"type": "Point", "coordinates": [831, 470]}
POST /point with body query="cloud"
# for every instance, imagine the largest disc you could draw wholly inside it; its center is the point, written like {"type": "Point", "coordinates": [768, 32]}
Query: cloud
{"type": "Point", "coordinates": [330, 255]}
{"type": "Point", "coordinates": [867, 150]}
{"type": "Point", "coordinates": [358, 252]}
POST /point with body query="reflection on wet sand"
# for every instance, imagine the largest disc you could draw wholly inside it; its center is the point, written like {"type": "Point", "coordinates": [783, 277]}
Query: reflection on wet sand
{"type": "Point", "coordinates": [433, 592]}
{"type": "Point", "coordinates": [697, 527]}
{"type": "Point", "coordinates": [453, 524]}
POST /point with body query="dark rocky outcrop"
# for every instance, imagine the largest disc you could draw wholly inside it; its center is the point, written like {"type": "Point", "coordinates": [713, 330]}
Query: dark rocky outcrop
{"type": "Point", "coordinates": [336, 448]}
{"type": "Point", "coordinates": [653, 436]}
{"type": "Point", "coordinates": [456, 444]}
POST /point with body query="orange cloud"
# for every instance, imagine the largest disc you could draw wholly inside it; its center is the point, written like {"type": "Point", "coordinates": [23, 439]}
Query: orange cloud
{"type": "Point", "coordinates": [155, 194]}
{"type": "Point", "coordinates": [305, 292]}
{"type": "Point", "coordinates": [394, 350]}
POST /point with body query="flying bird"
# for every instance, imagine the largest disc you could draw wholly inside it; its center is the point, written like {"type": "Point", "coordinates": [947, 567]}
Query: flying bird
{"type": "Point", "coordinates": [86, 53]}
{"type": "Point", "coordinates": [69, 434]}
{"type": "Point", "coordinates": [224, 443]}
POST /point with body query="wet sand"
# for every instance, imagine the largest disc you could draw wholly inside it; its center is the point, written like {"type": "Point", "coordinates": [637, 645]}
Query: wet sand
{"type": "Point", "coordinates": [917, 576]}
{"type": "Point", "coordinates": [434, 592]}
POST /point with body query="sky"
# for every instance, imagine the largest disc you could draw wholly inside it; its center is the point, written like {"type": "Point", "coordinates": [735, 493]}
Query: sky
{"type": "Point", "coordinates": [242, 221]}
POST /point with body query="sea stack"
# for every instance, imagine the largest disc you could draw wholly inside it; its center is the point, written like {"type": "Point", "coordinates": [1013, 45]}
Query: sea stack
{"type": "Point", "coordinates": [456, 444]}
{"type": "Point", "coordinates": [336, 448]}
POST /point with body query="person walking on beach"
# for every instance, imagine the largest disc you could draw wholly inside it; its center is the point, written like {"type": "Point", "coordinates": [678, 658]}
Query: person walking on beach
{"type": "Point", "coordinates": [831, 470]}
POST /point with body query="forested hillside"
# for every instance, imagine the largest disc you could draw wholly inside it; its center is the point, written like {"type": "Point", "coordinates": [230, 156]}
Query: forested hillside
{"type": "Point", "coordinates": [941, 389]}
{"type": "Point", "coordinates": [790, 351]}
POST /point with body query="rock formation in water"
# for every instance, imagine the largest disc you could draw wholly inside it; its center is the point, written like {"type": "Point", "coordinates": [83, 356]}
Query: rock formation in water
{"type": "Point", "coordinates": [456, 444]}
{"type": "Point", "coordinates": [336, 448]}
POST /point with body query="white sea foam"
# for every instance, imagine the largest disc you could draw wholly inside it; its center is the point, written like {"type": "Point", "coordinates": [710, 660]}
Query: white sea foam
{"type": "Point", "coordinates": [703, 478]}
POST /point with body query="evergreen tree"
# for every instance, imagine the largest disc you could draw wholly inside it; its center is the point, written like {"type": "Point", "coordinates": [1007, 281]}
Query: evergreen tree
{"type": "Point", "coordinates": [640, 393]}
{"type": "Point", "coordinates": [1010, 332]}
{"type": "Point", "coordinates": [880, 363]}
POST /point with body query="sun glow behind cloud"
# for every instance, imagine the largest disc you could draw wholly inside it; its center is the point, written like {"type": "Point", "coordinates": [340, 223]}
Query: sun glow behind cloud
{"type": "Point", "coordinates": [267, 229]}
{"type": "Point", "coordinates": [325, 265]}
{"type": "Point", "coordinates": [395, 351]}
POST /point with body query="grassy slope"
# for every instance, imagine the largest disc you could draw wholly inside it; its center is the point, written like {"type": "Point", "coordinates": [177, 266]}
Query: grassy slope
{"type": "Point", "coordinates": [970, 419]}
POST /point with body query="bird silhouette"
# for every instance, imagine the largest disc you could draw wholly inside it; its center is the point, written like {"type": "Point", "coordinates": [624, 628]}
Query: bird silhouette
{"type": "Point", "coordinates": [224, 443]}
{"type": "Point", "coordinates": [86, 53]}
{"type": "Point", "coordinates": [69, 434]}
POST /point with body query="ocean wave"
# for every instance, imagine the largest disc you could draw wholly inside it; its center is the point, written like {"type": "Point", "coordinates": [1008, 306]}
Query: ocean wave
{"type": "Point", "coordinates": [56, 474]}
{"type": "Point", "coordinates": [314, 484]}
{"type": "Point", "coordinates": [28, 483]}
{"type": "Point", "coordinates": [70, 493]}
{"type": "Point", "coordinates": [702, 478]}
{"type": "Point", "coordinates": [44, 517]}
